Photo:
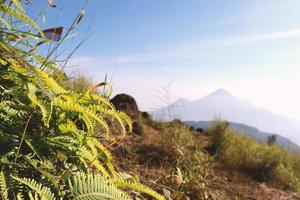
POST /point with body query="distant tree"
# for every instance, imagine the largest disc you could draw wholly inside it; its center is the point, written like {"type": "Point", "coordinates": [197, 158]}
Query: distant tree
{"type": "Point", "coordinates": [271, 140]}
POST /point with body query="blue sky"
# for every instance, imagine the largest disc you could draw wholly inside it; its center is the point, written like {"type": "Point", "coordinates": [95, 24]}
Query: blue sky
{"type": "Point", "coordinates": [192, 47]}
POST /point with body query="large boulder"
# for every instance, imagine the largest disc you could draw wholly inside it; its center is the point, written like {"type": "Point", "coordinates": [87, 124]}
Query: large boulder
{"type": "Point", "coordinates": [126, 103]}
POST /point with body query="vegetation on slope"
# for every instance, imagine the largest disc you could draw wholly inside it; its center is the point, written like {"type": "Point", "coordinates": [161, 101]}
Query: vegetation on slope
{"type": "Point", "coordinates": [263, 162]}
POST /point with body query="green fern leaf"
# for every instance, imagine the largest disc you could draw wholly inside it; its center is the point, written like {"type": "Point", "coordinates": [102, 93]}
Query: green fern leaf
{"type": "Point", "coordinates": [43, 192]}
{"type": "Point", "coordinates": [18, 5]}
{"type": "Point", "coordinates": [20, 196]}
{"type": "Point", "coordinates": [74, 107]}
{"type": "Point", "coordinates": [5, 23]}
{"type": "Point", "coordinates": [138, 187]}
{"type": "Point", "coordinates": [49, 82]}
{"type": "Point", "coordinates": [96, 99]}
{"type": "Point", "coordinates": [91, 186]}
{"type": "Point", "coordinates": [110, 112]}
{"type": "Point", "coordinates": [20, 16]}
{"type": "Point", "coordinates": [86, 155]}
{"type": "Point", "coordinates": [46, 108]}
{"type": "Point", "coordinates": [3, 186]}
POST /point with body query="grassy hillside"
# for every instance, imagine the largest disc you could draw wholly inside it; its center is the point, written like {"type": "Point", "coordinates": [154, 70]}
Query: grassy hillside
{"type": "Point", "coordinates": [263, 162]}
{"type": "Point", "coordinates": [260, 136]}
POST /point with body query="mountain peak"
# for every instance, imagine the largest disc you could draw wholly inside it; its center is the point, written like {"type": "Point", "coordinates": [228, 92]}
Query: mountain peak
{"type": "Point", "coordinates": [221, 92]}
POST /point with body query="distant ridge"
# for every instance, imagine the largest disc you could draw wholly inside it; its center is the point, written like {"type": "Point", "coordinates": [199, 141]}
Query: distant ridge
{"type": "Point", "coordinates": [252, 132]}
{"type": "Point", "coordinates": [222, 104]}
{"type": "Point", "coordinates": [220, 92]}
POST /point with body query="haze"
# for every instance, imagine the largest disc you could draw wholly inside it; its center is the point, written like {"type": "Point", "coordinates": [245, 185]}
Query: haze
{"type": "Point", "coordinates": [250, 48]}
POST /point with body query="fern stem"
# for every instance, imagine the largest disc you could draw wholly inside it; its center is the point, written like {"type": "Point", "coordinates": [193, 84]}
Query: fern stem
{"type": "Point", "coordinates": [102, 151]}
{"type": "Point", "coordinates": [4, 13]}
{"type": "Point", "coordinates": [22, 139]}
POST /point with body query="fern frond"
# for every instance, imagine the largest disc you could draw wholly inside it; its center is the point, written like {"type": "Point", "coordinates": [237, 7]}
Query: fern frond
{"type": "Point", "coordinates": [64, 141]}
{"type": "Point", "coordinates": [43, 192]}
{"type": "Point", "coordinates": [48, 81]}
{"type": "Point", "coordinates": [20, 196]}
{"type": "Point", "coordinates": [67, 127]}
{"type": "Point", "coordinates": [74, 107]}
{"type": "Point", "coordinates": [102, 148]}
{"type": "Point", "coordinates": [43, 168]}
{"type": "Point", "coordinates": [20, 16]}
{"type": "Point", "coordinates": [127, 119]}
{"type": "Point", "coordinates": [2, 62]}
{"type": "Point", "coordinates": [18, 5]}
{"type": "Point", "coordinates": [86, 155]}
{"type": "Point", "coordinates": [46, 108]}
{"type": "Point", "coordinates": [96, 146]}
{"type": "Point", "coordinates": [89, 122]}
{"type": "Point", "coordinates": [96, 99]}
{"type": "Point", "coordinates": [138, 187]}
{"type": "Point", "coordinates": [121, 117]}
{"type": "Point", "coordinates": [33, 196]}
{"type": "Point", "coordinates": [3, 186]}
{"type": "Point", "coordinates": [91, 186]}
{"type": "Point", "coordinates": [110, 112]}
{"type": "Point", "coordinates": [5, 23]}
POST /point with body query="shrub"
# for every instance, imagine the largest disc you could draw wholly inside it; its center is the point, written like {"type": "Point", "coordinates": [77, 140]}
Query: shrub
{"type": "Point", "coordinates": [217, 134]}
{"type": "Point", "coordinates": [244, 153]}
{"type": "Point", "coordinates": [286, 177]}
{"type": "Point", "coordinates": [261, 161]}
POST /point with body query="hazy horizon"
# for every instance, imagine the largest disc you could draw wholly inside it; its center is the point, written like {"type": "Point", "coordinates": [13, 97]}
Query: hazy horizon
{"type": "Point", "coordinates": [161, 104]}
{"type": "Point", "coordinates": [249, 48]}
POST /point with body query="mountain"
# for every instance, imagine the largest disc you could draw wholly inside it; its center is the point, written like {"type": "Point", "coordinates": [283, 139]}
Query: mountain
{"type": "Point", "coordinates": [223, 105]}
{"type": "Point", "coordinates": [252, 132]}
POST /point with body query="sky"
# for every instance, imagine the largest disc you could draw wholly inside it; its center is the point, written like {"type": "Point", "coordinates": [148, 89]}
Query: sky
{"type": "Point", "coordinates": [153, 48]}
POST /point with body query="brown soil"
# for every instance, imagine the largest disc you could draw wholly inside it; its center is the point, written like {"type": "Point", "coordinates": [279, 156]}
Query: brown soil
{"type": "Point", "coordinates": [237, 184]}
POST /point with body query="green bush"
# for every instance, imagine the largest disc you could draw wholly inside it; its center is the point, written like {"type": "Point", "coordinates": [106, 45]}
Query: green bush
{"type": "Point", "coordinates": [286, 177]}
{"type": "Point", "coordinates": [244, 153]}
{"type": "Point", "coordinates": [217, 134]}
{"type": "Point", "coordinates": [261, 161]}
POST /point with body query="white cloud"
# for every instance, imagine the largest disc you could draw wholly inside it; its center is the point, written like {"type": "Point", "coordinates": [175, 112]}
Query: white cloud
{"type": "Point", "coordinates": [185, 51]}
{"type": "Point", "coordinates": [245, 39]}
{"type": "Point", "coordinates": [81, 61]}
